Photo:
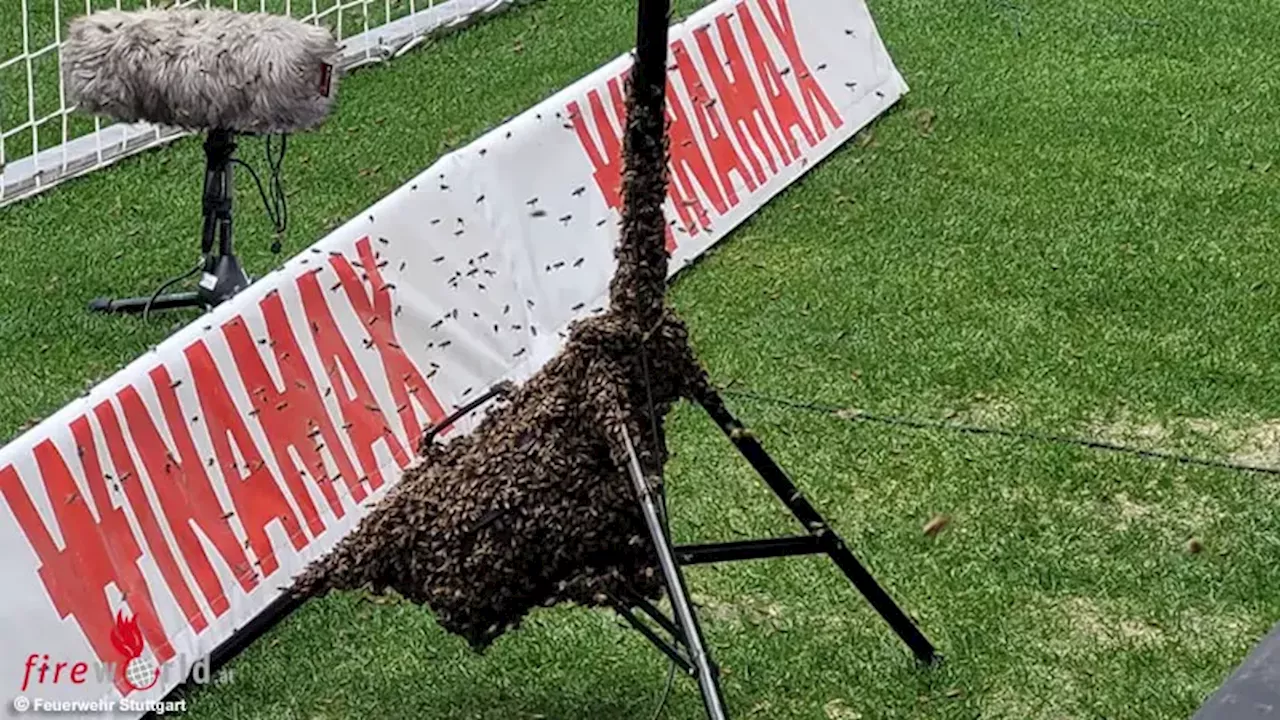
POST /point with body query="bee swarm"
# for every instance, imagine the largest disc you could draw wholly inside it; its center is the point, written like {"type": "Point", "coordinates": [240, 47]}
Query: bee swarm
{"type": "Point", "coordinates": [536, 507]}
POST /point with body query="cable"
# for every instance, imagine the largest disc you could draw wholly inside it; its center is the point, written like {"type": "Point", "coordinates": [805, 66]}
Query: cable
{"type": "Point", "coordinates": [666, 694]}
{"type": "Point", "coordinates": [274, 202]}
{"type": "Point", "coordinates": [146, 309]}
{"type": "Point", "coordinates": [277, 188]}
{"type": "Point", "coordinates": [276, 206]}
{"type": "Point", "coordinates": [266, 204]}
{"type": "Point", "coordinates": [860, 415]}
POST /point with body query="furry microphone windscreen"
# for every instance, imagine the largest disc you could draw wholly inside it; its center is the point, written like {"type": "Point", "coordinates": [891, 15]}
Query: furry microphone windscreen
{"type": "Point", "coordinates": [252, 73]}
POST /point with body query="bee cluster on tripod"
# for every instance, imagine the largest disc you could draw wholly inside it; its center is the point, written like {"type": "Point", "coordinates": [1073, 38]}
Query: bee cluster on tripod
{"type": "Point", "coordinates": [535, 506]}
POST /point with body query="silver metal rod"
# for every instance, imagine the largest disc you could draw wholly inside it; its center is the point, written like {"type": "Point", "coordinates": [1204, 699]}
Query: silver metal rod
{"type": "Point", "coordinates": [708, 680]}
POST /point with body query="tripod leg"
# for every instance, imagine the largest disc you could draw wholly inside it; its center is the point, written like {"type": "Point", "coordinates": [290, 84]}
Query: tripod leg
{"type": "Point", "coordinates": [815, 524]}
{"type": "Point", "coordinates": [139, 304]}
{"type": "Point", "coordinates": [706, 672]}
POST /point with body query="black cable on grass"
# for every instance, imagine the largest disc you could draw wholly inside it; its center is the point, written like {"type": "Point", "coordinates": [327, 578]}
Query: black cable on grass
{"type": "Point", "coordinates": [860, 415]}
{"type": "Point", "coordinates": [666, 693]}
{"type": "Point", "coordinates": [146, 309]}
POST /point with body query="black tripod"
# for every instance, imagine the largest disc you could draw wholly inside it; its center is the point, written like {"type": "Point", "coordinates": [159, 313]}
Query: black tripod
{"type": "Point", "coordinates": [686, 646]}
{"type": "Point", "coordinates": [222, 275]}
{"type": "Point", "coordinates": [683, 642]}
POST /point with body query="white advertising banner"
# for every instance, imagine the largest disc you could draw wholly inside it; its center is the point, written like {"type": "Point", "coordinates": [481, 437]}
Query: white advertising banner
{"type": "Point", "coordinates": [146, 522]}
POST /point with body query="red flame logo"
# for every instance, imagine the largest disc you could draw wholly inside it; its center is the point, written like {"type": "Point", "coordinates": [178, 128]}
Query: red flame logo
{"type": "Point", "coordinates": [127, 639]}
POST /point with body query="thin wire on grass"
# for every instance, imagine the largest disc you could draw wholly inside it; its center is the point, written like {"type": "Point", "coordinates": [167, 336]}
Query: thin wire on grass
{"type": "Point", "coordinates": [859, 415]}
{"type": "Point", "coordinates": [666, 693]}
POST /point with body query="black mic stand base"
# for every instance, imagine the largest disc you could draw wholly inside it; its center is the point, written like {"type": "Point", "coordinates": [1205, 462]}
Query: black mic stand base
{"type": "Point", "coordinates": [222, 276]}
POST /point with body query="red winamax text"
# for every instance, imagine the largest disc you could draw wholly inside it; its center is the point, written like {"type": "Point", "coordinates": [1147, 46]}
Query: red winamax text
{"type": "Point", "coordinates": [99, 547]}
{"type": "Point", "coordinates": [764, 117]}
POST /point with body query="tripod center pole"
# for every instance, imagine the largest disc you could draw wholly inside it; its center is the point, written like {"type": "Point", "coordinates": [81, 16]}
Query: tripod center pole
{"type": "Point", "coordinates": [219, 148]}
{"type": "Point", "coordinates": [708, 680]}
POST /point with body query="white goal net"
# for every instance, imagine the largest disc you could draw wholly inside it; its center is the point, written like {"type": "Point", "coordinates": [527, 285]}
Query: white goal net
{"type": "Point", "coordinates": [43, 141]}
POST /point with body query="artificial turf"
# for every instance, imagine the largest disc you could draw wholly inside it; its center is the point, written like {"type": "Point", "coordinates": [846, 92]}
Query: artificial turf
{"type": "Point", "coordinates": [1067, 226]}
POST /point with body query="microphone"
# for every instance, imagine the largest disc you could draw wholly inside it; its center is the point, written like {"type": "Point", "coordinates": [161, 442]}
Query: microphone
{"type": "Point", "coordinates": [195, 69]}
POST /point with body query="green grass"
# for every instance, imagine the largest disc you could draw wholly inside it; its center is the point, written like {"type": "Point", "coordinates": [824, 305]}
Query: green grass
{"type": "Point", "coordinates": [1082, 240]}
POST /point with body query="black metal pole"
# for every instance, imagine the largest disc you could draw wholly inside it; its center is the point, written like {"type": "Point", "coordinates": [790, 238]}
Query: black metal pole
{"type": "Point", "coordinates": [223, 275]}
{"type": "Point", "coordinates": [638, 288]}
{"type": "Point", "coordinates": [650, 73]}
{"type": "Point", "coordinates": [749, 550]}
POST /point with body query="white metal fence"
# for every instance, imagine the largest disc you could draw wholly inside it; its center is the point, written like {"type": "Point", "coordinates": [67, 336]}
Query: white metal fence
{"type": "Point", "coordinates": [43, 141]}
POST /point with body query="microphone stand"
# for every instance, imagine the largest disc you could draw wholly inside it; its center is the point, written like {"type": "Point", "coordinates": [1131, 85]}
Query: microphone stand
{"type": "Point", "coordinates": [222, 274]}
